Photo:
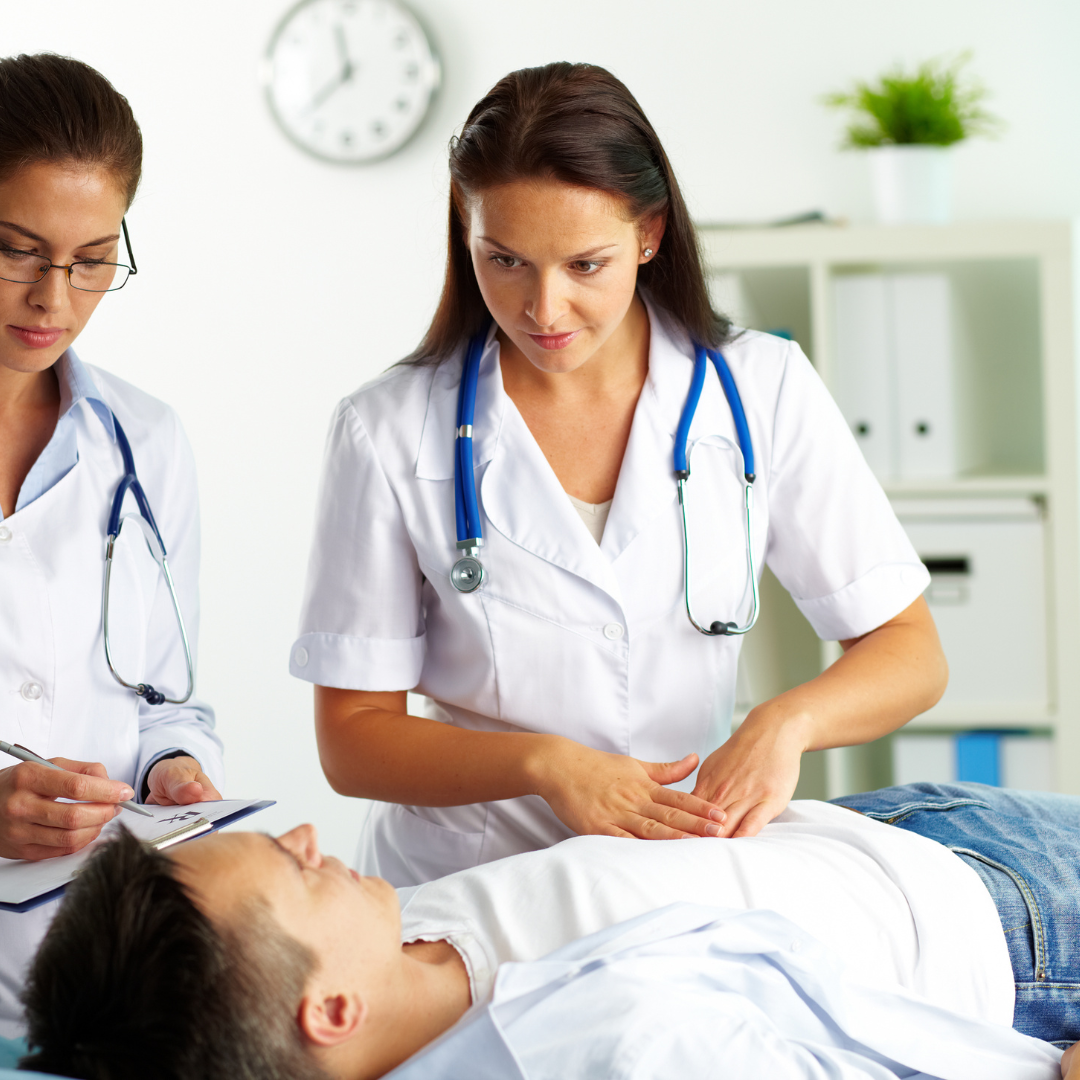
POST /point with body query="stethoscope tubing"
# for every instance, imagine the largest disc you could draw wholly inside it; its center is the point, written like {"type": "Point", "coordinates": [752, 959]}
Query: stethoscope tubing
{"type": "Point", "coordinates": [467, 573]}
{"type": "Point", "coordinates": [156, 546]}
{"type": "Point", "coordinates": [467, 509]}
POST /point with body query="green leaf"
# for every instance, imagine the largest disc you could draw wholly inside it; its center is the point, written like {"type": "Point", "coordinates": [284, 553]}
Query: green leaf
{"type": "Point", "coordinates": [931, 107]}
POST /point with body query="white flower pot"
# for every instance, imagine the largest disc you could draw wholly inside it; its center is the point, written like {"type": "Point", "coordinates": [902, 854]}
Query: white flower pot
{"type": "Point", "coordinates": [912, 183]}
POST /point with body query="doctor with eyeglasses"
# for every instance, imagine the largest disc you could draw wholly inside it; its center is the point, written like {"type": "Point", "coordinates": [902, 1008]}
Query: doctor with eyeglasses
{"type": "Point", "coordinates": [99, 521]}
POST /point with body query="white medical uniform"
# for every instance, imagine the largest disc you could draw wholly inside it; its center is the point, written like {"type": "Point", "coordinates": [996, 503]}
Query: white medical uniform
{"type": "Point", "coordinates": [56, 693]}
{"type": "Point", "coordinates": [565, 636]}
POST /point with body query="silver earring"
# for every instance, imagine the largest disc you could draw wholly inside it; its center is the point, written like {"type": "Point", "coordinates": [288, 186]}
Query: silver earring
{"type": "Point", "coordinates": [647, 253]}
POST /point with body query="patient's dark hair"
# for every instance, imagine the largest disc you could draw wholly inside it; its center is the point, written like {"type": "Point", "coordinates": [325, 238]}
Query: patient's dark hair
{"type": "Point", "coordinates": [53, 108]}
{"type": "Point", "coordinates": [134, 981]}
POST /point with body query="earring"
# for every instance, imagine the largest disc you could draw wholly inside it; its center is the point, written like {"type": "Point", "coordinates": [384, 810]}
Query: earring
{"type": "Point", "coordinates": [647, 253]}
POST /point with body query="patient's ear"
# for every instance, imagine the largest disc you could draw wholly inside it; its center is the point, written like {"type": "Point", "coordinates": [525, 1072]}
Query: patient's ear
{"type": "Point", "coordinates": [329, 1021]}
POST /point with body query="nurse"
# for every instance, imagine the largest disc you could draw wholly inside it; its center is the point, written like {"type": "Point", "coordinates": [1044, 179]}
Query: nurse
{"type": "Point", "coordinates": [570, 690]}
{"type": "Point", "coordinates": [70, 161]}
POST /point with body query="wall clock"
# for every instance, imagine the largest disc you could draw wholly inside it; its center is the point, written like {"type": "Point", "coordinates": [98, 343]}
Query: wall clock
{"type": "Point", "coordinates": [350, 81]}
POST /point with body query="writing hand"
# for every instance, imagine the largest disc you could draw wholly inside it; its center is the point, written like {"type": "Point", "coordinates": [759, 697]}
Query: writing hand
{"type": "Point", "coordinates": [753, 775]}
{"type": "Point", "coordinates": [178, 781]}
{"type": "Point", "coordinates": [604, 794]}
{"type": "Point", "coordinates": [34, 826]}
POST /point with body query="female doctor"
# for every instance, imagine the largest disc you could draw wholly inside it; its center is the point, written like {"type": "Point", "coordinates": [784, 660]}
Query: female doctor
{"type": "Point", "coordinates": [571, 689]}
{"type": "Point", "coordinates": [70, 160]}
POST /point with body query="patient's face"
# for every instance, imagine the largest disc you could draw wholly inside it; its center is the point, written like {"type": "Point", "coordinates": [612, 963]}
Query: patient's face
{"type": "Point", "coordinates": [352, 923]}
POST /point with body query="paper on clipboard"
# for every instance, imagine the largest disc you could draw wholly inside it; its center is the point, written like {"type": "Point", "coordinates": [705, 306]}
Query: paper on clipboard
{"type": "Point", "coordinates": [25, 885]}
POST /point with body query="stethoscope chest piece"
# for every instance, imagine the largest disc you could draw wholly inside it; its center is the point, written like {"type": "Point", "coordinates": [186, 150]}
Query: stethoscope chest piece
{"type": "Point", "coordinates": [467, 574]}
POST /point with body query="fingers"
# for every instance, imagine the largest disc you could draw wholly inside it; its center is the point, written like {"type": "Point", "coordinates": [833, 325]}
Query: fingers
{"type": "Point", "coordinates": [91, 768]}
{"type": "Point", "coordinates": [749, 818]}
{"type": "Point", "coordinates": [81, 786]}
{"type": "Point", "coordinates": [179, 781]}
{"type": "Point", "coordinates": [27, 840]}
{"type": "Point", "coordinates": [670, 772]}
{"type": "Point", "coordinates": [686, 814]}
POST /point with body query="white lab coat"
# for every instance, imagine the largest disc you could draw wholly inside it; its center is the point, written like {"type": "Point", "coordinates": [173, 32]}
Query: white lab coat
{"type": "Point", "coordinates": [565, 636]}
{"type": "Point", "coordinates": [56, 693]}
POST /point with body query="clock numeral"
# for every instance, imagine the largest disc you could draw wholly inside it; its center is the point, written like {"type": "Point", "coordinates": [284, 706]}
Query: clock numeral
{"type": "Point", "coordinates": [346, 138]}
{"type": "Point", "coordinates": [378, 129]}
{"type": "Point", "coordinates": [402, 104]}
{"type": "Point", "coordinates": [412, 72]}
{"type": "Point", "coordinates": [401, 40]}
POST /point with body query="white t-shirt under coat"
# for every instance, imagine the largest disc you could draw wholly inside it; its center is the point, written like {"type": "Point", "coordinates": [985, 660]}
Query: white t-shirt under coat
{"type": "Point", "coordinates": [895, 907]}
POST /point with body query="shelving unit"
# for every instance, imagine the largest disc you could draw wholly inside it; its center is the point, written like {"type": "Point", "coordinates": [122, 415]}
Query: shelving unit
{"type": "Point", "coordinates": [1016, 283]}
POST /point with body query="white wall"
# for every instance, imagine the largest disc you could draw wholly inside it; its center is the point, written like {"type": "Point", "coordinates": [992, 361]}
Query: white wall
{"type": "Point", "coordinates": [270, 284]}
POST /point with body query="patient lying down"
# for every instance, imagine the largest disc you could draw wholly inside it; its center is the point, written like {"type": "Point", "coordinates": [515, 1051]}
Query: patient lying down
{"type": "Point", "coordinates": [830, 945]}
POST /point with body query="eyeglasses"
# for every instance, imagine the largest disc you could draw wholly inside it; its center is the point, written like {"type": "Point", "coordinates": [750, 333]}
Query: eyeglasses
{"type": "Point", "coordinates": [88, 275]}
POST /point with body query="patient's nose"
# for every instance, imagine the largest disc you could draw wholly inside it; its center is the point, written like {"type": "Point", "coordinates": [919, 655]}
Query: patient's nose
{"type": "Point", "coordinates": [303, 842]}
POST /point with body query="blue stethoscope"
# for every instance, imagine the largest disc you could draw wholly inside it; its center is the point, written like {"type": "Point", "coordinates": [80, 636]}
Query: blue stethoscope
{"type": "Point", "coordinates": [145, 521]}
{"type": "Point", "coordinates": [467, 573]}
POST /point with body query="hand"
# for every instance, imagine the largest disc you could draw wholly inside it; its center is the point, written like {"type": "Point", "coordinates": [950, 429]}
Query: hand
{"type": "Point", "coordinates": [180, 780]}
{"type": "Point", "coordinates": [753, 775]}
{"type": "Point", "coordinates": [1070, 1063]}
{"type": "Point", "coordinates": [603, 794]}
{"type": "Point", "coordinates": [33, 825]}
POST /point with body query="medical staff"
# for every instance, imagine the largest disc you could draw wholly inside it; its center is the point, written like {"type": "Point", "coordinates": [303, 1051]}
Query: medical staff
{"type": "Point", "coordinates": [70, 434]}
{"type": "Point", "coordinates": [546, 614]}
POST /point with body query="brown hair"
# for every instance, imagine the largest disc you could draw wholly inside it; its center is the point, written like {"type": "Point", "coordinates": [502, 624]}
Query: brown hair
{"type": "Point", "coordinates": [578, 124]}
{"type": "Point", "coordinates": [53, 108]}
{"type": "Point", "coordinates": [133, 980]}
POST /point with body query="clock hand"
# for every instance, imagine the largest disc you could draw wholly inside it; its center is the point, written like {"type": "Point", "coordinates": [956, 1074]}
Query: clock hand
{"type": "Point", "coordinates": [339, 80]}
{"type": "Point", "coordinates": [343, 51]}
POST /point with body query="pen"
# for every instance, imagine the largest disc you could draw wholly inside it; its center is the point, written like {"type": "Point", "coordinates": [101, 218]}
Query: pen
{"type": "Point", "coordinates": [23, 754]}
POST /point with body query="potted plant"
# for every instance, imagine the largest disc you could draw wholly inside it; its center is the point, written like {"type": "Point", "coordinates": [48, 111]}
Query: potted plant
{"type": "Point", "coordinates": [908, 124]}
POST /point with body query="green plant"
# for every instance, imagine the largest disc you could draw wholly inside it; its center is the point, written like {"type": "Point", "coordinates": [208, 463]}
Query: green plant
{"type": "Point", "coordinates": [932, 107]}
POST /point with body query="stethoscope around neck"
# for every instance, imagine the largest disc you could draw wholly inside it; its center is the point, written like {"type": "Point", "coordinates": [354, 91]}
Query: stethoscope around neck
{"type": "Point", "coordinates": [467, 574]}
{"type": "Point", "coordinates": [145, 521]}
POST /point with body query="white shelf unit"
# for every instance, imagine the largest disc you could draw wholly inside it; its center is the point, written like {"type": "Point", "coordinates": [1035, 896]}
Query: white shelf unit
{"type": "Point", "coordinates": [1019, 281]}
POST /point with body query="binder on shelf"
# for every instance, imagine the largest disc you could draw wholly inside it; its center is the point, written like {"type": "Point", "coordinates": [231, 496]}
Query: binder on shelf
{"type": "Point", "coordinates": [864, 369]}
{"type": "Point", "coordinates": [894, 371]}
{"type": "Point", "coordinates": [1011, 759]}
{"type": "Point", "coordinates": [921, 328]}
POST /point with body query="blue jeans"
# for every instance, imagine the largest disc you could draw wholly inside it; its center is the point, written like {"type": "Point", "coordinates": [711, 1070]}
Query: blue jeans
{"type": "Point", "coordinates": [1026, 848]}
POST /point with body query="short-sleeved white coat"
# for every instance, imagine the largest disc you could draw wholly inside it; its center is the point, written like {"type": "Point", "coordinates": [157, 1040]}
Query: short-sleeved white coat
{"type": "Point", "coordinates": [565, 636]}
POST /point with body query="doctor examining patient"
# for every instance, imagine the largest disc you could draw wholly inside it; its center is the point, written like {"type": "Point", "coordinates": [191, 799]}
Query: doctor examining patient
{"type": "Point", "coordinates": [571, 595]}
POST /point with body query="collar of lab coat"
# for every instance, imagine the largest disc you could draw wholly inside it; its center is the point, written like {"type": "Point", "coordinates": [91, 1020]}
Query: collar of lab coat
{"type": "Point", "coordinates": [77, 384]}
{"type": "Point", "coordinates": [546, 523]}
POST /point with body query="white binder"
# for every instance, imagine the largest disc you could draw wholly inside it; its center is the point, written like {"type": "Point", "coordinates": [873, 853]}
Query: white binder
{"type": "Point", "coordinates": [894, 368]}
{"type": "Point", "coordinates": [864, 367]}
{"type": "Point", "coordinates": [923, 355]}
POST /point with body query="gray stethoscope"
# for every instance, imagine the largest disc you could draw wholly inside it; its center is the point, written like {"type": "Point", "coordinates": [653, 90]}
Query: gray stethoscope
{"type": "Point", "coordinates": [145, 521]}
{"type": "Point", "coordinates": [468, 572]}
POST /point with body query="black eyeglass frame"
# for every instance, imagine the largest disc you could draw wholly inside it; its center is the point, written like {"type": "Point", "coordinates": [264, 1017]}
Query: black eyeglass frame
{"type": "Point", "coordinates": [132, 269]}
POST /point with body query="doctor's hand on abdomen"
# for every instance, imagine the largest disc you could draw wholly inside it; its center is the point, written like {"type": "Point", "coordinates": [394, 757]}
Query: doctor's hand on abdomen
{"type": "Point", "coordinates": [597, 793]}
{"type": "Point", "coordinates": [33, 825]}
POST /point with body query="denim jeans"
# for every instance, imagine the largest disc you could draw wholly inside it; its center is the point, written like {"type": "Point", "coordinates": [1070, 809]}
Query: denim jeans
{"type": "Point", "coordinates": [1025, 846]}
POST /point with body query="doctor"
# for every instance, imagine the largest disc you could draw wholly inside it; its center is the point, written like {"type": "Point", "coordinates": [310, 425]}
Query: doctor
{"type": "Point", "coordinates": [571, 690]}
{"type": "Point", "coordinates": [70, 161]}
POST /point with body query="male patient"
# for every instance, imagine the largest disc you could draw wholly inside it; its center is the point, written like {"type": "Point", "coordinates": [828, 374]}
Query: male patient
{"type": "Point", "coordinates": [833, 944]}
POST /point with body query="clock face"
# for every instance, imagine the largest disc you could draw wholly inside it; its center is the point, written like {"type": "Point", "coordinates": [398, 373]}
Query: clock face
{"type": "Point", "coordinates": [350, 80]}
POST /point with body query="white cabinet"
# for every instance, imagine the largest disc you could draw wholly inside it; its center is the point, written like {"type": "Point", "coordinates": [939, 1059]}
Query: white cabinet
{"type": "Point", "coordinates": [1002, 495]}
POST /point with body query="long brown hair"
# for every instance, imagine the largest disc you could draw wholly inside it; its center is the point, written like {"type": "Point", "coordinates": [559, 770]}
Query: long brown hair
{"type": "Point", "coordinates": [578, 124]}
{"type": "Point", "coordinates": [54, 108]}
